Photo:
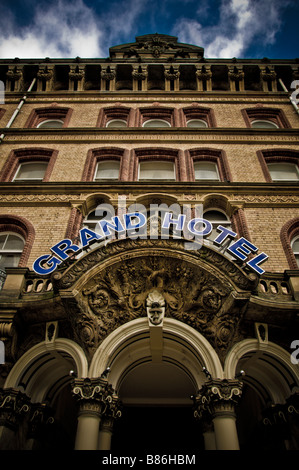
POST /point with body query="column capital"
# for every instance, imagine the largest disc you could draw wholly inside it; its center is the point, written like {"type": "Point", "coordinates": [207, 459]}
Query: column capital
{"type": "Point", "coordinates": [218, 397]}
{"type": "Point", "coordinates": [41, 416]}
{"type": "Point", "coordinates": [14, 404]}
{"type": "Point", "coordinates": [95, 396]}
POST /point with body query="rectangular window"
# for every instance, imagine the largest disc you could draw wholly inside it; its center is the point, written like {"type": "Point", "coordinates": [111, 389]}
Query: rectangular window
{"type": "Point", "coordinates": [107, 170]}
{"type": "Point", "coordinates": [31, 171]}
{"type": "Point", "coordinates": [155, 170]}
{"type": "Point", "coordinates": [283, 171]}
{"type": "Point", "coordinates": [206, 171]}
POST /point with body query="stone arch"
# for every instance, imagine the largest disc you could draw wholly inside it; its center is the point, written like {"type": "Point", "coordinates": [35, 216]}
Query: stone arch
{"type": "Point", "coordinates": [45, 368]}
{"type": "Point", "coordinates": [194, 354]}
{"type": "Point", "coordinates": [267, 367]}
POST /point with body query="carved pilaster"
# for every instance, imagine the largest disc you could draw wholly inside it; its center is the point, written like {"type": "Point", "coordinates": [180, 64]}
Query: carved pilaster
{"type": "Point", "coordinates": [76, 78]}
{"type": "Point", "coordinates": [45, 76]}
{"type": "Point", "coordinates": [236, 78]}
{"type": "Point", "coordinates": [139, 76]}
{"type": "Point", "coordinates": [13, 407]}
{"type": "Point", "coordinates": [204, 78]}
{"type": "Point", "coordinates": [108, 79]}
{"type": "Point", "coordinates": [14, 78]}
{"type": "Point", "coordinates": [268, 77]}
{"type": "Point", "coordinates": [172, 75]}
{"type": "Point", "coordinates": [218, 397]}
{"type": "Point", "coordinates": [41, 416]}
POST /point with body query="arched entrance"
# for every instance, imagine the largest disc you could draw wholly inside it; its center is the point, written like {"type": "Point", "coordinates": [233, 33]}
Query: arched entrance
{"type": "Point", "coordinates": [155, 391]}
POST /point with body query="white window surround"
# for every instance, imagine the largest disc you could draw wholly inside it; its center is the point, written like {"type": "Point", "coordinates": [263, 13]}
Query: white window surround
{"type": "Point", "coordinates": [116, 123]}
{"type": "Point", "coordinates": [156, 170]}
{"type": "Point", "coordinates": [283, 171]}
{"type": "Point", "coordinates": [31, 171]}
{"type": "Point", "coordinates": [11, 248]}
{"type": "Point", "coordinates": [216, 217]}
{"type": "Point", "coordinates": [156, 123]}
{"type": "Point", "coordinates": [263, 124]}
{"type": "Point", "coordinates": [206, 171]}
{"type": "Point", "coordinates": [196, 123]}
{"type": "Point", "coordinates": [50, 123]}
{"type": "Point", "coordinates": [107, 169]}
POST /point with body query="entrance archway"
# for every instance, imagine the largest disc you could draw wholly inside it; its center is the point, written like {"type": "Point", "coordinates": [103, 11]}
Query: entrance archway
{"type": "Point", "coordinates": [156, 393]}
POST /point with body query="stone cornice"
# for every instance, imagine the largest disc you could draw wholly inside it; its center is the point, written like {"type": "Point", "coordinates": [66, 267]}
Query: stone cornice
{"type": "Point", "coordinates": [132, 135]}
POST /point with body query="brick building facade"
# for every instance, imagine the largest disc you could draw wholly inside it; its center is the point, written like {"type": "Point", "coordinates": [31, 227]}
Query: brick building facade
{"type": "Point", "coordinates": [154, 123]}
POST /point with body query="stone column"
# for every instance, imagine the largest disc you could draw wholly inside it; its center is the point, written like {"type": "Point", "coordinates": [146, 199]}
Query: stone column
{"type": "Point", "coordinates": [140, 75]}
{"type": "Point", "coordinates": [219, 398]}
{"type": "Point", "coordinates": [172, 75]}
{"type": "Point", "coordinates": [204, 75]}
{"type": "Point", "coordinates": [14, 78]}
{"type": "Point", "coordinates": [14, 406]}
{"type": "Point", "coordinates": [45, 76]}
{"type": "Point", "coordinates": [236, 78]}
{"type": "Point", "coordinates": [108, 76]}
{"type": "Point", "coordinates": [94, 397]}
{"type": "Point", "coordinates": [76, 78]}
{"type": "Point", "coordinates": [41, 419]}
{"type": "Point", "coordinates": [112, 413]}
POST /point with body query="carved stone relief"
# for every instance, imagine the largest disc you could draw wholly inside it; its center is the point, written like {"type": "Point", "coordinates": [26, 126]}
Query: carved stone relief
{"type": "Point", "coordinates": [155, 285]}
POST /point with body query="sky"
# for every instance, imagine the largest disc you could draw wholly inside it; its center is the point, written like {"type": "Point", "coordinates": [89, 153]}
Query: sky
{"type": "Point", "coordinates": [87, 28]}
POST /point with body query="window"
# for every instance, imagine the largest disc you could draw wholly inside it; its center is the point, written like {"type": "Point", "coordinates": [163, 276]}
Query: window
{"type": "Point", "coordinates": [11, 248]}
{"type": "Point", "coordinates": [206, 171]}
{"type": "Point", "coordinates": [295, 249]}
{"type": "Point", "coordinates": [283, 171]}
{"type": "Point", "coordinates": [50, 124]}
{"type": "Point", "coordinates": [265, 118]}
{"type": "Point", "coordinates": [31, 171]}
{"type": "Point", "coordinates": [108, 169]}
{"type": "Point", "coordinates": [102, 212]}
{"type": "Point", "coordinates": [116, 123]}
{"type": "Point", "coordinates": [156, 123]}
{"type": "Point", "coordinates": [216, 218]}
{"type": "Point", "coordinates": [156, 170]}
{"type": "Point", "coordinates": [196, 123]}
{"type": "Point", "coordinates": [54, 117]}
{"type": "Point", "coordinates": [263, 124]}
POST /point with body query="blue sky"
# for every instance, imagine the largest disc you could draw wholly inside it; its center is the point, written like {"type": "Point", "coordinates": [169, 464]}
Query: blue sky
{"type": "Point", "coordinates": [87, 28]}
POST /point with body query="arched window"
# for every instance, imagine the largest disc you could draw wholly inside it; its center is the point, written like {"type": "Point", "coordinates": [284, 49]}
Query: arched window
{"type": "Point", "coordinates": [156, 170]}
{"type": "Point", "coordinates": [50, 124]}
{"type": "Point", "coordinates": [263, 124]}
{"type": "Point", "coordinates": [289, 237]}
{"type": "Point", "coordinates": [156, 123]}
{"type": "Point", "coordinates": [116, 123]}
{"type": "Point", "coordinates": [196, 123]}
{"type": "Point", "coordinates": [265, 118]}
{"type": "Point", "coordinates": [11, 248]}
{"type": "Point", "coordinates": [107, 170]}
{"type": "Point", "coordinates": [295, 249]}
{"type": "Point", "coordinates": [216, 218]}
{"type": "Point", "coordinates": [52, 117]}
{"type": "Point", "coordinates": [28, 164]}
{"type": "Point", "coordinates": [279, 165]}
{"type": "Point", "coordinates": [16, 240]}
{"type": "Point", "coordinates": [205, 164]}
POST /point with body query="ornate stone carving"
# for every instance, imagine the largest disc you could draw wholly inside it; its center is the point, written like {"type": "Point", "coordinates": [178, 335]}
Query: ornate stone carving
{"type": "Point", "coordinates": [96, 395]}
{"type": "Point", "coordinates": [155, 307]}
{"type": "Point", "coordinates": [41, 416]}
{"type": "Point", "coordinates": [13, 406]}
{"type": "Point", "coordinates": [128, 283]}
{"type": "Point", "coordinates": [218, 397]}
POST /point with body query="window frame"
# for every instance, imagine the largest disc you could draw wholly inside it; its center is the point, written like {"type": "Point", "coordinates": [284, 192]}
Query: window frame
{"type": "Point", "coordinates": [39, 125]}
{"type": "Point", "coordinates": [15, 179]}
{"type": "Point", "coordinates": [8, 252]}
{"type": "Point", "coordinates": [276, 156]}
{"type": "Point", "coordinates": [156, 127]}
{"type": "Point", "coordinates": [157, 161]}
{"type": "Point", "coordinates": [198, 162]}
{"type": "Point", "coordinates": [35, 154]}
{"type": "Point", "coordinates": [274, 115]}
{"type": "Point", "coordinates": [295, 166]}
{"type": "Point", "coordinates": [99, 161]}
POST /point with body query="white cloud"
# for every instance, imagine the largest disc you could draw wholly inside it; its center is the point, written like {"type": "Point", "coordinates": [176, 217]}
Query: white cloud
{"type": "Point", "coordinates": [67, 29]}
{"type": "Point", "coordinates": [241, 22]}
